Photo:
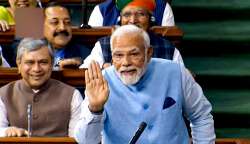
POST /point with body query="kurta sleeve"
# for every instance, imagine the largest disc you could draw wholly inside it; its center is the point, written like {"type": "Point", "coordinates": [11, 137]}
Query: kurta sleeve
{"type": "Point", "coordinates": [88, 129]}
{"type": "Point", "coordinates": [197, 109]}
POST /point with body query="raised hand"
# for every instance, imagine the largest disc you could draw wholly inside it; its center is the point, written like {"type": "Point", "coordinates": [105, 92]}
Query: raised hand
{"type": "Point", "coordinates": [15, 132]}
{"type": "Point", "coordinates": [96, 87]}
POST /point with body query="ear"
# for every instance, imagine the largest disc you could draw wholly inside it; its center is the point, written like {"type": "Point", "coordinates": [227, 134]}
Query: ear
{"type": "Point", "coordinates": [149, 53]}
{"type": "Point", "coordinates": [18, 65]}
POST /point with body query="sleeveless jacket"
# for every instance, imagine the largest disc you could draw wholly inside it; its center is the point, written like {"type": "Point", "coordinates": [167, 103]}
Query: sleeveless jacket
{"type": "Point", "coordinates": [51, 107]}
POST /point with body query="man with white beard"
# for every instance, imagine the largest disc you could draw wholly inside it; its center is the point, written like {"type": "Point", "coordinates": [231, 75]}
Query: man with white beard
{"type": "Point", "coordinates": [138, 88]}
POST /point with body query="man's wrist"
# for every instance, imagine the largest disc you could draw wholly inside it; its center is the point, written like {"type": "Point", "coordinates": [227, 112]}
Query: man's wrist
{"type": "Point", "coordinates": [96, 111]}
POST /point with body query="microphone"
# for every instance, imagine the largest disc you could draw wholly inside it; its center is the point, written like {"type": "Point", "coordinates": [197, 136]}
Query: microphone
{"type": "Point", "coordinates": [39, 3]}
{"type": "Point", "coordinates": [84, 18]}
{"type": "Point", "coordinates": [138, 133]}
{"type": "Point", "coordinates": [29, 114]}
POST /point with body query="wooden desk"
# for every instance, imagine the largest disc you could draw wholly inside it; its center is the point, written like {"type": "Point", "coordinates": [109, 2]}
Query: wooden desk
{"type": "Point", "coordinates": [232, 141]}
{"type": "Point", "coordinates": [72, 77]}
{"type": "Point", "coordinates": [38, 140]}
{"type": "Point", "coordinates": [67, 140]}
{"type": "Point", "coordinates": [5, 2]}
{"type": "Point", "coordinates": [90, 36]}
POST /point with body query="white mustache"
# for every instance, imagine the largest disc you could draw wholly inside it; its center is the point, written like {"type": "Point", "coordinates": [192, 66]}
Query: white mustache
{"type": "Point", "coordinates": [128, 68]}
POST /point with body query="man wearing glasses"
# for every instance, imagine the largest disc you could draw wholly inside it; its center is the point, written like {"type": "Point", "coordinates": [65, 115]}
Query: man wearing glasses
{"type": "Point", "coordinates": [139, 13]}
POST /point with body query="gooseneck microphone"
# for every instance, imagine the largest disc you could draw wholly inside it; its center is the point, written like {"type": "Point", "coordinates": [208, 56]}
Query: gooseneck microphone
{"type": "Point", "coordinates": [29, 116]}
{"type": "Point", "coordinates": [84, 24]}
{"type": "Point", "coordinates": [39, 3]}
{"type": "Point", "coordinates": [138, 133]}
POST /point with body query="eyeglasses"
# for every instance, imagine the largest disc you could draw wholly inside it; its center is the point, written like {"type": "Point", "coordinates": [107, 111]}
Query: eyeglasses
{"type": "Point", "coordinates": [139, 14]}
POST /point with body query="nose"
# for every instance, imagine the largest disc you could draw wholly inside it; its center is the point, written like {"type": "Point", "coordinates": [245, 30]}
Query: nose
{"type": "Point", "coordinates": [36, 67]}
{"type": "Point", "coordinates": [133, 19]}
{"type": "Point", "coordinates": [61, 26]}
{"type": "Point", "coordinates": [126, 61]}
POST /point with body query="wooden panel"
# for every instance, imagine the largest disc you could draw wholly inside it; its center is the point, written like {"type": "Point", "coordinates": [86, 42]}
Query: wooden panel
{"type": "Point", "coordinates": [232, 141]}
{"type": "Point", "coordinates": [90, 36]}
{"type": "Point", "coordinates": [38, 140]}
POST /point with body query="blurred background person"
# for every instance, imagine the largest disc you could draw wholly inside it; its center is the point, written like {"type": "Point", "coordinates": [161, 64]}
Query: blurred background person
{"type": "Point", "coordinates": [107, 13]}
{"type": "Point", "coordinates": [58, 32]}
{"type": "Point", "coordinates": [7, 14]}
{"type": "Point", "coordinates": [138, 13]}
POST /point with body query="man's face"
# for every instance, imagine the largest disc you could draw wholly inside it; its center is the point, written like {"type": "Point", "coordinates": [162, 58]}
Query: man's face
{"type": "Point", "coordinates": [135, 15]}
{"type": "Point", "coordinates": [57, 26]}
{"type": "Point", "coordinates": [35, 67]}
{"type": "Point", "coordinates": [22, 3]}
{"type": "Point", "coordinates": [129, 58]}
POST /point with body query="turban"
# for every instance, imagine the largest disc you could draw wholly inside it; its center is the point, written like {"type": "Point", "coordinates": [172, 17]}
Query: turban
{"type": "Point", "coordinates": [146, 4]}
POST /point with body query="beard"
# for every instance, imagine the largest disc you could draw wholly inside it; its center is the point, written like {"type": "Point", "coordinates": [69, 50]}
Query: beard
{"type": "Point", "coordinates": [131, 79]}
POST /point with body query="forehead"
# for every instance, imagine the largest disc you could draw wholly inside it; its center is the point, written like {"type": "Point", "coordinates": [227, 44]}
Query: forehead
{"type": "Point", "coordinates": [133, 8]}
{"type": "Point", "coordinates": [56, 12]}
{"type": "Point", "coordinates": [128, 42]}
{"type": "Point", "coordinates": [42, 53]}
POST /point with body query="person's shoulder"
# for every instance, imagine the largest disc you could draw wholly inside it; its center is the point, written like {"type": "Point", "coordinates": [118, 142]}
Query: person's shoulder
{"type": "Point", "coordinates": [161, 61]}
{"type": "Point", "coordinates": [3, 11]}
{"type": "Point", "coordinates": [154, 36]}
{"type": "Point", "coordinates": [9, 86]}
{"type": "Point", "coordinates": [105, 38]}
{"type": "Point", "coordinates": [164, 63]}
{"type": "Point", "coordinates": [60, 84]}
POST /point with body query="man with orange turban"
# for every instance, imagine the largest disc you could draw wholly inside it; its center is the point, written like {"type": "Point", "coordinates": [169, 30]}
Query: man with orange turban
{"type": "Point", "coordinates": [108, 12]}
{"type": "Point", "coordinates": [139, 13]}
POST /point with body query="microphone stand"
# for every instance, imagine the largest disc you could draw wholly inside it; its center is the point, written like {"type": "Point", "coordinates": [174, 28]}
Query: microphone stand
{"type": "Point", "coordinates": [84, 18]}
{"type": "Point", "coordinates": [29, 116]}
{"type": "Point", "coordinates": [138, 133]}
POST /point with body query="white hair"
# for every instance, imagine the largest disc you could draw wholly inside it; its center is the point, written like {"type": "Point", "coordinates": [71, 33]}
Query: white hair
{"type": "Point", "coordinates": [130, 29]}
{"type": "Point", "coordinates": [31, 44]}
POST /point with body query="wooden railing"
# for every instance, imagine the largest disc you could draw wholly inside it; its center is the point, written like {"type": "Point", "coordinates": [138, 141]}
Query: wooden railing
{"type": "Point", "coordinates": [70, 76]}
{"type": "Point", "coordinates": [68, 140]}
{"type": "Point", "coordinates": [232, 141]}
{"type": "Point", "coordinates": [38, 140]}
{"type": "Point", "coordinates": [5, 2]}
{"type": "Point", "coordinates": [90, 36]}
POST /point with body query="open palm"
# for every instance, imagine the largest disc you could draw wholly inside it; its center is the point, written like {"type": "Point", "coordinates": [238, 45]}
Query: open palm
{"type": "Point", "coordinates": [96, 87]}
